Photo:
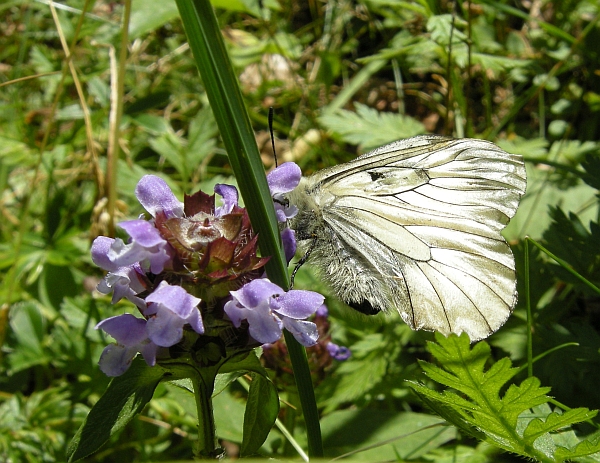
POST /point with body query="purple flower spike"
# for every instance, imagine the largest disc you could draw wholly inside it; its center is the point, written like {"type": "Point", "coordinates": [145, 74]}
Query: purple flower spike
{"type": "Point", "coordinates": [172, 307]}
{"type": "Point", "coordinates": [147, 247]}
{"type": "Point", "coordinates": [340, 353]}
{"type": "Point", "coordinates": [131, 337]}
{"type": "Point", "coordinates": [230, 197]}
{"type": "Point", "coordinates": [155, 195]}
{"type": "Point", "coordinates": [268, 309]}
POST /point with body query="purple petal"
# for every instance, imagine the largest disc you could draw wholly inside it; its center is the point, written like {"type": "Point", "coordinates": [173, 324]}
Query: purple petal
{"type": "Point", "coordinates": [165, 328]}
{"type": "Point", "coordinates": [155, 195]}
{"type": "Point", "coordinates": [147, 245]}
{"type": "Point", "coordinates": [148, 351]}
{"type": "Point", "coordinates": [174, 298]}
{"type": "Point", "coordinates": [125, 282]}
{"type": "Point", "coordinates": [264, 326]}
{"type": "Point", "coordinates": [288, 236]}
{"type": "Point", "coordinates": [126, 329]}
{"type": "Point", "coordinates": [256, 293]}
{"type": "Point", "coordinates": [284, 178]}
{"type": "Point", "coordinates": [284, 212]}
{"type": "Point", "coordinates": [235, 312]}
{"type": "Point", "coordinates": [340, 353]}
{"type": "Point", "coordinates": [297, 304]}
{"type": "Point", "coordinates": [116, 360]}
{"type": "Point", "coordinates": [195, 321]}
{"type": "Point", "coordinates": [306, 333]}
{"type": "Point", "coordinates": [230, 197]}
{"type": "Point", "coordinates": [143, 232]}
{"type": "Point", "coordinates": [100, 248]}
{"type": "Point", "coordinates": [322, 311]}
{"type": "Point", "coordinates": [154, 257]}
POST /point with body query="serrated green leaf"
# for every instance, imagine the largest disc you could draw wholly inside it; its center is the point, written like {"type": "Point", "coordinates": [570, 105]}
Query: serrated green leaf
{"type": "Point", "coordinates": [555, 421]}
{"type": "Point", "coordinates": [370, 128]}
{"type": "Point", "coordinates": [261, 412]}
{"type": "Point", "coordinates": [584, 448]}
{"type": "Point", "coordinates": [506, 420]}
{"type": "Point", "coordinates": [125, 397]}
{"type": "Point", "coordinates": [433, 401]}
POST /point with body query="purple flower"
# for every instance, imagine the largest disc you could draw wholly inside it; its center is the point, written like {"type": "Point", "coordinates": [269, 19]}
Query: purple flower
{"type": "Point", "coordinates": [282, 180]}
{"type": "Point", "coordinates": [268, 309]}
{"type": "Point", "coordinates": [123, 281]}
{"type": "Point", "coordinates": [146, 246]}
{"type": "Point", "coordinates": [340, 353]}
{"type": "Point", "coordinates": [130, 334]}
{"type": "Point", "coordinates": [155, 195]}
{"type": "Point", "coordinates": [170, 308]}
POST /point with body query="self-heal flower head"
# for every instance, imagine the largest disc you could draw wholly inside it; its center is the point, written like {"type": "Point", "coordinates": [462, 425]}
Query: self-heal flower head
{"type": "Point", "coordinates": [131, 336]}
{"type": "Point", "coordinates": [282, 180]}
{"type": "Point", "coordinates": [267, 308]}
{"type": "Point", "coordinates": [215, 248]}
{"type": "Point", "coordinates": [179, 267]}
{"type": "Point", "coordinates": [169, 309]}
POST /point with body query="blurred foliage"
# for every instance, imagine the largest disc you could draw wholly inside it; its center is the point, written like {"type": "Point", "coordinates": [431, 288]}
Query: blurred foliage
{"type": "Point", "coordinates": [340, 75]}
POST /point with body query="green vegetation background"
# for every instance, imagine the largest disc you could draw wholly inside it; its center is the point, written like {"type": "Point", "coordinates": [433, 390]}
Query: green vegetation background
{"type": "Point", "coordinates": [343, 77]}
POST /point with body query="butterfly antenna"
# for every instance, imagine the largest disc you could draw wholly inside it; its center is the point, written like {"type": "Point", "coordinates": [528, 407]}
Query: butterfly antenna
{"type": "Point", "coordinates": [272, 136]}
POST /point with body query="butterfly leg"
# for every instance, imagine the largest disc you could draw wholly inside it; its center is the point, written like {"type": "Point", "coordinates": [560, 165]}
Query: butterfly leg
{"type": "Point", "coordinates": [303, 260]}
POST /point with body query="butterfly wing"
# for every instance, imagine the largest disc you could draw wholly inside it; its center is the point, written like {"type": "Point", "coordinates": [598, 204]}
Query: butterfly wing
{"type": "Point", "coordinates": [415, 226]}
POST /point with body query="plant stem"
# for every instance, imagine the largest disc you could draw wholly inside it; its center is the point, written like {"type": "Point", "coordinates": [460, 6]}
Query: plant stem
{"type": "Point", "coordinates": [207, 447]}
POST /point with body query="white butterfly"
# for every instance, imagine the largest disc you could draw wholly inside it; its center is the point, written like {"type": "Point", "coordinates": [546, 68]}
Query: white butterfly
{"type": "Point", "coordinates": [415, 226]}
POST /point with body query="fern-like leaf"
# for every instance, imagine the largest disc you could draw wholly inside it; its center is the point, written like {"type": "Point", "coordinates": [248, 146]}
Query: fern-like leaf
{"type": "Point", "coordinates": [370, 128]}
{"type": "Point", "coordinates": [505, 420]}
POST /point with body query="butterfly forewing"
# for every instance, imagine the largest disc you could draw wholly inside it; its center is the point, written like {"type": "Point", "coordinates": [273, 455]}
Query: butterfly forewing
{"type": "Point", "coordinates": [415, 226]}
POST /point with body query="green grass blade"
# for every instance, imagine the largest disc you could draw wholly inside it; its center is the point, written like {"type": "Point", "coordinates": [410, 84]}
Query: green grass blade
{"type": "Point", "coordinates": [225, 98]}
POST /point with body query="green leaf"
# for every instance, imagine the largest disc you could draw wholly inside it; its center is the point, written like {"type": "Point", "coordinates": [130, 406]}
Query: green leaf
{"type": "Point", "coordinates": [370, 128]}
{"type": "Point", "coordinates": [261, 412]}
{"type": "Point", "coordinates": [27, 325]}
{"type": "Point", "coordinates": [503, 420]}
{"type": "Point", "coordinates": [538, 427]}
{"type": "Point", "coordinates": [582, 449]}
{"type": "Point", "coordinates": [125, 397]}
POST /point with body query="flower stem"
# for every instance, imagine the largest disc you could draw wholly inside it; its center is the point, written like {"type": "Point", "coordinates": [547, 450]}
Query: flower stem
{"type": "Point", "coordinates": [207, 447]}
